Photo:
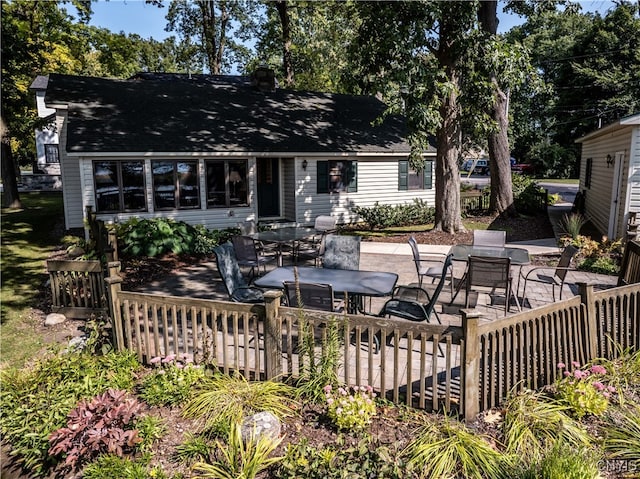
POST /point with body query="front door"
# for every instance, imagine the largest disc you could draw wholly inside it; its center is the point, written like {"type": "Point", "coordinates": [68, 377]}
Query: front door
{"type": "Point", "coordinates": [268, 173]}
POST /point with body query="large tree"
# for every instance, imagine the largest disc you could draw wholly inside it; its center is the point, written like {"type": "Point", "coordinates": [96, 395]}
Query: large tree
{"type": "Point", "coordinates": [213, 32]}
{"type": "Point", "coordinates": [416, 54]}
{"type": "Point", "coordinates": [37, 36]}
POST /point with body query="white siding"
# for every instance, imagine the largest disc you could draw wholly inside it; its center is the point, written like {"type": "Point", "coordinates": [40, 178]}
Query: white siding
{"type": "Point", "coordinates": [70, 169]}
{"type": "Point", "coordinates": [377, 181]}
{"type": "Point", "coordinates": [288, 169]}
{"type": "Point", "coordinates": [46, 136]}
{"type": "Point", "coordinates": [633, 198]}
{"type": "Point", "coordinates": [598, 196]}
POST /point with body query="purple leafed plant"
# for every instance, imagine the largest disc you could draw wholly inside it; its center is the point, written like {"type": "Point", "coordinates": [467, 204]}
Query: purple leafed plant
{"type": "Point", "coordinates": [100, 425]}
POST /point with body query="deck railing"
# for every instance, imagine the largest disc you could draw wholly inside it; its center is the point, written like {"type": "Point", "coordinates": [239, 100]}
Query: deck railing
{"type": "Point", "coordinates": [431, 366]}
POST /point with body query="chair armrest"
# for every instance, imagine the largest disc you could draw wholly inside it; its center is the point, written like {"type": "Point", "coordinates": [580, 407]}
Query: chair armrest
{"type": "Point", "coordinates": [548, 268]}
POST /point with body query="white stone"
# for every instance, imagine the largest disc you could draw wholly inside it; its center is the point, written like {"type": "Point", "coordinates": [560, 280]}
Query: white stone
{"type": "Point", "coordinates": [259, 425]}
{"type": "Point", "coordinates": [54, 318]}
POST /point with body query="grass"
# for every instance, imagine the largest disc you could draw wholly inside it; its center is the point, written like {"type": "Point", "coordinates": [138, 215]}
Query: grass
{"type": "Point", "coordinates": [28, 236]}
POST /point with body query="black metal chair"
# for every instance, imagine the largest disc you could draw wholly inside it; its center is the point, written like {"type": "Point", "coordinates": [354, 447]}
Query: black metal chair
{"type": "Point", "coordinates": [414, 303]}
{"type": "Point", "coordinates": [232, 278]}
{"type": "Point", "coordinates": [341, 252]}
{"type": "Point", "coordinates": [429, 264]}
{"type": "Point", "coordinates": [493, 273]}
{"type": "Point", "coordinates": [496, 238]}
{"type": "Point", "coordinates": [247, 255]}
{"type": "Point", "coordinates": [311, 250]}
{"type": "Point", "coordinates": [311, 296]}
{"type": "Point", "coordinates": [554, 276]}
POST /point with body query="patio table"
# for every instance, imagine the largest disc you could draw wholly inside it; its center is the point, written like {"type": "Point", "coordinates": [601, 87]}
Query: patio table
{"type": "Point", "coordinates": [282, 236]}
{"type": "Point", "coordinates": [353, 282]}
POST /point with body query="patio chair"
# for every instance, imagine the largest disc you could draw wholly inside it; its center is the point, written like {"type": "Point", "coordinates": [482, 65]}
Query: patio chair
{"type": "Point", "coordinates": [414, 303]}
{"type": "Point", "coordinates": [430, 264]}
{"type": "Point", "coordinates": [493, 273]}
{"type": "Point", "coordinates": [341, 252]}
{"type": "Point", "coordinates": [311, 250]}
{"type": "Point", "coordinates": [248, 255]}
{"type": "Point", "coordinates": [232, 278]}
{"type": "Point", "coordinates": [311, 296]}
{"type": "Point", "coordinates": [325, 224]}
{"type": "Point", "coordinates": [489, 238]}
{"type": "Point", "coordinates": [554, 276]}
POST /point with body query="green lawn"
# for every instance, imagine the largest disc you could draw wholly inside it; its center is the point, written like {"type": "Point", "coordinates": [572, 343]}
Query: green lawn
{"type": "Point", "coordinates": [28, 236]}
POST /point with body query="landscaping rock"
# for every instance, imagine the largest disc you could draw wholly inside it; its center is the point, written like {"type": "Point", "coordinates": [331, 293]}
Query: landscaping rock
{"type": "Point", "coordinates": [54, 318]}
{"type": "Point", "coordinates": [75, 251]}
{"type": "Point", "coordinates": [259, 425]}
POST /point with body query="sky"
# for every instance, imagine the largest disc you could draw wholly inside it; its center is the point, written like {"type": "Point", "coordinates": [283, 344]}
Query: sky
{"type": "Point", "coordinates": [135, 16]}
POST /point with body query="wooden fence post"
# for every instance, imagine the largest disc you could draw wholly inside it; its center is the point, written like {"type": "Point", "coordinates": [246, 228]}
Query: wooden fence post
{"type": "Point", "coordinates": [470, 356]}
{"type": "Point", "coordinates": [586, 297]}
{"type": "Point", "coordinates": [272, 335]}
{"type": "Point", "coordinates": [114, 286]}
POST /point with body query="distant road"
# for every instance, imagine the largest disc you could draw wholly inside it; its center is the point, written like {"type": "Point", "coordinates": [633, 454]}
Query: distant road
{"type": "Point", "coordinates": [567, 191]}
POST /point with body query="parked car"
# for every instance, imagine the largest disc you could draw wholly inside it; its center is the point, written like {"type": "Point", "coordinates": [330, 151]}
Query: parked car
{"type": "Point", "coordinates": [522, 168]}
{"type": "Point", "coordinates": [482, 166]}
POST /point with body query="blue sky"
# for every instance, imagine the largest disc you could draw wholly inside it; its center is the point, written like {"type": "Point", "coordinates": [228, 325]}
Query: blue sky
{"type": "Point", "coordinates": [135, 16]}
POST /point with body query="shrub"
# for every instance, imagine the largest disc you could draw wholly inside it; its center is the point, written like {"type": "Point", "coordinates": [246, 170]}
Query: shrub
{"type": "Point", "coordinates": [171, 382]}
{"type": "Point", "coordinates": [583, 390]}
{"type": "Point", "coordinates": [39, 399]}
{"type": "Point", "coordinates": [150, 429]}
{"type": "Point", "coordinates": [224, 400]}
{"type": "Point", "coordinates": [101, 425]}
{"type": "Point", "coordinates": [446, 448]}
{"type": "Point", "coordinates": [572, 224]}
{"type": "Point", "coordinates": [365, 460]}
{"type": "Point", "coordinates": [239, 458]}
{"type": "Point", "coordinates": [109, 467]}
{"type": "Point", "coordinates": [525, 193]}
{"type": "Point", "coordinates": [387, 216]}
{"type": "Point", "coordinates": [350, 408]}
{"type": "Point", "coordinates": [564, 462]}
{"type": "Point", "coordinates": [158, 236]}
{"type": "Point", "coordinates": [195, 448]}
{"type": "Point", "coordinates": [622, 439]}
{"type": "Point", "coordinates": [532, 424]}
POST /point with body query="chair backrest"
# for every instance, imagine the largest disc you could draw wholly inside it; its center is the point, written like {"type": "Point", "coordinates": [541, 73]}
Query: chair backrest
{"type": "Point", "coordinates": [312, 295]}
{"type": "Point", "coordinates": [248, 227]}
{"type": "Point", "coordinates": [567, 255]}
{"type": "Point", "coordinates": [414, 303]}
{"type": "Point", "coordinates": [245, 248]}
{"type": "Point", "coordinates": [489, 238]}
{"type": "Point", "coordinates": [415, 251]}
{"type": "Point", "coordinates": [489, 272]}
{"type": "Point", "coordinates": [325, 223]}
{"type": "Point", "coordinates": [228, 268]}
{"type": "Point", "coordinates": [342, 252]}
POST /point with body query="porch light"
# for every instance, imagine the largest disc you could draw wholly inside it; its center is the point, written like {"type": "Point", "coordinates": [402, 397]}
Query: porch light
{"type": "Point", "coordinates": [610, 160]}
{"type": "Point", "coordinates": [304, 165]}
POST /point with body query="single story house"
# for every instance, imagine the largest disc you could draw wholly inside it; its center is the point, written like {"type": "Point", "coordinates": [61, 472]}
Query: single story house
{"type": "Point", "coordinates": [220, 150]}
{"type": "Point", "coordinates": [610, 175]}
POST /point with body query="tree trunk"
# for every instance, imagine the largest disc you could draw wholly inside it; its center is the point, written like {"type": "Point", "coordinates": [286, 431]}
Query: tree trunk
{"type": "Point", "coordinates": [213, 48]}
{"type": "Point", "coordinates": [501, 200]}
{"type": "Point", "coordinates": [9, 177]}
{"type": "Point", "coordinates": [287, 63]}
{"type": "Point", "coordinates": [449, 138]}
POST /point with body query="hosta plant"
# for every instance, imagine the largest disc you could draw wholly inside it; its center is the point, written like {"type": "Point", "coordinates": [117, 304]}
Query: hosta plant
{"type": "Point", "coordinates": [101, 425]}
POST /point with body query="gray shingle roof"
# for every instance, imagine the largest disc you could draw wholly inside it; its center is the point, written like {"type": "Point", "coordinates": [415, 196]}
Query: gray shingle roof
{"type": "Point", "coordinates": [180, 113]}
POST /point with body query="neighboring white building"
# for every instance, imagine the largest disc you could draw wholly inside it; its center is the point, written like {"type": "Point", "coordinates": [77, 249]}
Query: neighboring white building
{"type": "Point", "coordinates": [610, 175]}
{"type": "Point", "coordinates": [219, 150]}
{"type": "Point", "coordinates": [47, 153]}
